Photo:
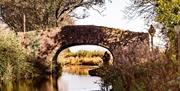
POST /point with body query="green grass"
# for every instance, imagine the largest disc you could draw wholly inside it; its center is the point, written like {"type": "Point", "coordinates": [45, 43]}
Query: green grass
{"type": "Point", "coordinates": [15, 62]}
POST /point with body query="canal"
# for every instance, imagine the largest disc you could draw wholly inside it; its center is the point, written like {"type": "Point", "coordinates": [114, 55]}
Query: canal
{"type": "Point", "coordinates": [73, 78]}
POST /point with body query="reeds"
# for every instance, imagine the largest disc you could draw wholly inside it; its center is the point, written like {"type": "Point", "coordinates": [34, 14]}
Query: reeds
{"type": "Point", "coordinates": [14, 60]}
{"type": "Point", "coordinates": [84, 53]}
{"type": "Point", "coordinates": [139, 69]}
{"type": "Point", "coordinates": [81, 57]}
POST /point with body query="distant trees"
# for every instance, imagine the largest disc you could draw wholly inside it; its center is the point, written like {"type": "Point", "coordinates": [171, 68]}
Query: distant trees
{"type": "Point", "coordinates": [40, 14]}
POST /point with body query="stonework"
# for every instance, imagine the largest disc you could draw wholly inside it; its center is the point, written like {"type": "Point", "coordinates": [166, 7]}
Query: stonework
{"type": "Point", "coordinates": [73, 35]}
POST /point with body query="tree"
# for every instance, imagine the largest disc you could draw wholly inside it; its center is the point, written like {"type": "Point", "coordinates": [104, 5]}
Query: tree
{"type": "Point", "coordinates": [143, 8]}
{"type": "Point", "coordinates": [40, 14]}
{"type": "Point", "coordinates": [166, 12]}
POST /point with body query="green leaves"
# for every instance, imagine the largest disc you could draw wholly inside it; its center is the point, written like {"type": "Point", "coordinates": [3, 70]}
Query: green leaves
{"type": "Point", "coordinates": [168, 12]}
{"type": "Point", "coordinates": [13, 58]}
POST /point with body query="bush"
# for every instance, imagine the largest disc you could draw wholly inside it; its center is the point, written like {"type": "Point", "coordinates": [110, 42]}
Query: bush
{"type": "Point", "coordinates": [139, 69]}
{"type": "Point", "coordinates": [14, 60]}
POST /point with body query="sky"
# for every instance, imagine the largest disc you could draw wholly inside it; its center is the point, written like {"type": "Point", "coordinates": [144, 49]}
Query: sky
{"type": "Point", "coordinates": [114, 17]}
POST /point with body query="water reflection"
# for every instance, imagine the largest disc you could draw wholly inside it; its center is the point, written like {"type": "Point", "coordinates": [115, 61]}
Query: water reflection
{"type": "Point", "coordinates": [72, 79]}
{"type": "Point", "coordinates": [78, 83]}
{"type": "Point", "coordinates": [78, 69]}
{"type": "Point", "coordinates": [41, 84]}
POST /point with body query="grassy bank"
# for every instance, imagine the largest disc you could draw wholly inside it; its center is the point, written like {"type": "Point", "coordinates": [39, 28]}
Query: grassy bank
{"type": "Point", "coordinates": [15, 61]}
{"type": "Point", "coordinates": [81, 57]}
{"type": "Point", "coordinates": [84, 53]}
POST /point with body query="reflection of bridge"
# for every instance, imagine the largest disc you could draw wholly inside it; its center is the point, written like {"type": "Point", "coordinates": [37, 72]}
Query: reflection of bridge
{"type": "Point", "coordinates": [110, 38]}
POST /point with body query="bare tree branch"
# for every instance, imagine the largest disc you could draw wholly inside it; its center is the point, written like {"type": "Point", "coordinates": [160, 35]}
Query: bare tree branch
{"type": "Point", "coordinates": [42, 13]}
{"type": "Point", "coordinates": [143, 8]}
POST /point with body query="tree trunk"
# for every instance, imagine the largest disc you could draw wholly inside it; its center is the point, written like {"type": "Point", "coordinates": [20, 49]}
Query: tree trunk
{"type": "Point", "coordinates": [24, 31]}
{"type": "Point", "coordinates": [24, 23]}
{"type": "Point", "coordinates": [177, 29]}
{"type": "Point", "coordinates": [152, 43]}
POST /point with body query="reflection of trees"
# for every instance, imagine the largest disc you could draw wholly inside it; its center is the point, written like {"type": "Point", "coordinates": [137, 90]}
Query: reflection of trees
{"type": "Point", "coordinates": [76, 69]}
{"type": "Point", "coordinates": [39, 84]}
{"type": "Point", "coordinates": [62, 86]}
{"type": "Point", "coordinates": [105, 87]}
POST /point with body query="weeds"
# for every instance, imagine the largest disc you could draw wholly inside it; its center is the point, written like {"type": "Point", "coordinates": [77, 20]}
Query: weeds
{"type": "Point", "coordinates": [139, 69]}
{"type": "Point", "coordinates": [84, 53]}
{"type": "Point", "coordinates": [15, 63]}
{"type": "Point", "coordinates": [82, 57]}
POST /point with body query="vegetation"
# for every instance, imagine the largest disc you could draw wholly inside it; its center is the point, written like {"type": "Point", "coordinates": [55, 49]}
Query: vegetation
{"type": "Point", "coordinates": [168, 14]}
{"type": "Point", "coordinates": [162, 72]}
{"type": "Point", "coordinates": [77, 69]}
{"type": "Point", "coordinates": [15, 63]}
{"type": "Point", "coordinates": [84, 53]}
{"type": "Point", "coordinates": [41, 14]}
{"type": "Point", "coordinates": [31, 41]}
{"type": "Point", "coordinates": [82, 57]}
{"type": "Point", "coordinates": [138, 68]}
{"type": "Point", "coordinates": [18, 59]}
{"type": "Point", "coordinates": [143, 8]}
{"type": "Point", "coordinates": [165, 12]}
{"type": "Point", "coordinates": [142, 71]}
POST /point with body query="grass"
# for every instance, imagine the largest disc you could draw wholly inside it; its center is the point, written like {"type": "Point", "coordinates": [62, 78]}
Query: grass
{"type": "Point", "coordinates": [84, 53]}
{"type": "Point", "coordinates": [16, 62]}
{"type": "Point", "coordinates": [13, 58]}
{"type": "Point", "coordinates": [76, 69]}
{"type": "Point", "coordinates": [81, 57]}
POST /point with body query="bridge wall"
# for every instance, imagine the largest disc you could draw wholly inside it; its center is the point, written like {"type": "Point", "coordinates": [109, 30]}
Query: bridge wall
{"type": "Point", "coordinates": [110, 38]}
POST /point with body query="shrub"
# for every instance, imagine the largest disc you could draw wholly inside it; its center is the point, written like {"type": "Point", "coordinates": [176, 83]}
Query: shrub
{"type": "Point", "coordinates": [139, 69]}
{"type": "Point", "coordinates": [34, 42]}
{"type": "Point", "coordinates": [14, 60]}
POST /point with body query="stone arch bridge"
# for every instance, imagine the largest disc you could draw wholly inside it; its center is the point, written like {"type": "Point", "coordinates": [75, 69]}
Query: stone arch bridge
{"type": "Point", "coordinates": [72, 35]}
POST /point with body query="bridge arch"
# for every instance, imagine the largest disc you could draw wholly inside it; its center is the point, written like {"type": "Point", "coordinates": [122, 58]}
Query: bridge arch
{"type": "Point", "coordinates": [109, 38]}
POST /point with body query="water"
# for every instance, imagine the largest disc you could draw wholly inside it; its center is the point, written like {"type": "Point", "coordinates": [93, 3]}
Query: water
{"type": "Point", "coordinates": [76, 78]}
{"type": "Point", "coordinates": [70, 82]}
{"type": "Point", "coordinates": [73, 79]}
